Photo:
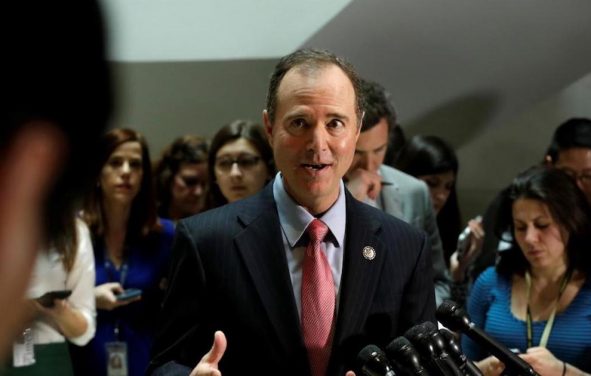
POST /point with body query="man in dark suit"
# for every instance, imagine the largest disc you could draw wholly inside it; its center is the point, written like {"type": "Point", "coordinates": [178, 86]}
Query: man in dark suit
{"type": "Point", "coordinates": [240, 271]}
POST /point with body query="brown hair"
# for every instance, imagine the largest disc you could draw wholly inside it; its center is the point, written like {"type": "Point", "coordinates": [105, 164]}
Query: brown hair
{"type": "Point", "coordinates": [185, 149]}
{"type": "Point", "coordinates": [311, 59]}
{"type": "Point", "coordinates": [237, 129]}
{"type": "Point", "coordinates": [143, 219]}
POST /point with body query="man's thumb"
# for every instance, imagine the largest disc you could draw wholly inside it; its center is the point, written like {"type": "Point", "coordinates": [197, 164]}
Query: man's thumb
{"type": "Point", "coordinates": [217, 350]}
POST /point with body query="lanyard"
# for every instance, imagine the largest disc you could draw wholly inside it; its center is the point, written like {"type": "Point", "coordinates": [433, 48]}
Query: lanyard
{"type": "Point", "coordinates": [550, 323]}
{"type": "Point", "coordinates": [110, 268]}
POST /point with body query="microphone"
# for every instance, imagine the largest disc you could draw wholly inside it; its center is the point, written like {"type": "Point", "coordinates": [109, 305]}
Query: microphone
{"type": "Point", "coordinates": [455, 352]}
{"type": "Point", "coordinates": [373, 362]}
{"type": "Point", "coordinates": [439, 342]}
{"type": "Point", "coordinates": [452, 316]}
{"type": "Point", "coordinates": [401, 351]}
{"type": "Point", "coordinates": [432, 350]}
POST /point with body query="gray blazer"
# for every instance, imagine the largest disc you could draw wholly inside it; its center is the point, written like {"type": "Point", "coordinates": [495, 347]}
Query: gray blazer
{"type": "Point", "coordinates": [408, 198]}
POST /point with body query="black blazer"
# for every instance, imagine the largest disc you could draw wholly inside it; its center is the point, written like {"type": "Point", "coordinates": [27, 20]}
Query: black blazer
{"type": "Point", "coordinates": [230, 273]}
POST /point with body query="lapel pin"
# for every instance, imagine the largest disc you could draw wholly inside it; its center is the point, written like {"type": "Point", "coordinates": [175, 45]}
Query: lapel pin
{"type": "Point", "coordinates": [369, 253]}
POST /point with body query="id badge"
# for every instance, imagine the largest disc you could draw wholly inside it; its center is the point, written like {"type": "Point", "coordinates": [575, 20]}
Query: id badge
{"type": "Point", "coordinates": [116, 358]}
{"type": "Point", "coordinates": [23, 350]}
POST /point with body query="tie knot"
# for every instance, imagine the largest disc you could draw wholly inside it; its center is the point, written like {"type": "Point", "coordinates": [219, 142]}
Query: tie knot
{"type": "Point", "coordinates": [317, 230]}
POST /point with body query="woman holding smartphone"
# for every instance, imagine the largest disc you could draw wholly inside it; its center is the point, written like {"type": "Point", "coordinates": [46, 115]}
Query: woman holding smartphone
{"type": "Point", "coordinates": [537, 299]}
{"type": "Point", "coordinates": [132, 248]}
{"type": "Point", "coordinates": [61, 303]}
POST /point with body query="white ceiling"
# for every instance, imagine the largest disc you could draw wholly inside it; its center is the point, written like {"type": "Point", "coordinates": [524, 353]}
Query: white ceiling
{"type": "Point", "coordinates": [197, 30]}
{"type": "Point", "coordinates": [454, 67]}
{"type": "Point", "coordinates": [494, 78]}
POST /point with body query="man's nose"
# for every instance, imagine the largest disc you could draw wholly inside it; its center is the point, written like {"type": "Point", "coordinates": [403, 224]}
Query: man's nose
{"type": "Point", "coordinates": [198, 189]}
{"type": "Point", "coordinates": [318, 138]}
{"type": "Point", "coordinates": [365, 162]}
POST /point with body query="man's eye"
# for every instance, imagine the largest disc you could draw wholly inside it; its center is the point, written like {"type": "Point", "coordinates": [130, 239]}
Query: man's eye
{"type": "Point", "coordinates": [380, 150]}
{"type": "Point", "coordinates": [569, 172]}
{"type": "Point", "coordinates": [298, 123]}
{"type": "Point", "coordinates": [335, 124]}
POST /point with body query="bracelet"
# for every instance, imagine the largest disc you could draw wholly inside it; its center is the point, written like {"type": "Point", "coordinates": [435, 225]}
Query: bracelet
{"type": "Point", "coordinates": [563, 368]}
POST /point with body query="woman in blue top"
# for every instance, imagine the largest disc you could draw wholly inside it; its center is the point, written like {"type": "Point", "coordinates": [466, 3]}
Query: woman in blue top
{"type": "Point", "coordinates": [132, 248]}
{"type": "Point", "coordinates": [538, 298]}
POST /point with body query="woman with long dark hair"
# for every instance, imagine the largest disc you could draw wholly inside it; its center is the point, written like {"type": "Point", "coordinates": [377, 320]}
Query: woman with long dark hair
{"type": "Point", "coordinates": [432, 160]}
{"type": "Point", "coordinates": [132, 248]}
{"type": "Point", "coordinates": [537, 300]}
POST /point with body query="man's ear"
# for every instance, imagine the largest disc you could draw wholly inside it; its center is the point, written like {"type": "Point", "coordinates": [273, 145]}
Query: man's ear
{"type": "Point", "coordinates": [268, 125]}
{"type": "Point", "coordinates": [548, 160]}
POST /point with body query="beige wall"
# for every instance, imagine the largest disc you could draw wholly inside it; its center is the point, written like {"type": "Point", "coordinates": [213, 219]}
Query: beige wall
{"type": "Point", "coordinates": [491, 160]}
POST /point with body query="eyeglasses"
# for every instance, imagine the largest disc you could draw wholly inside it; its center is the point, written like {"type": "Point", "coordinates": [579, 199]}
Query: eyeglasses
{"type": "Point", "coordinates": [192, 181]}
{"type": "Point", "coordinates": [245, 162]}
{"type": "Point", "coordinates": [584, 177]}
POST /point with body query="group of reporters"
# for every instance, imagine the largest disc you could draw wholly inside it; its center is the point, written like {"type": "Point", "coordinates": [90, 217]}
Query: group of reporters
{"type": "Point", "coordinates": [536, 300]}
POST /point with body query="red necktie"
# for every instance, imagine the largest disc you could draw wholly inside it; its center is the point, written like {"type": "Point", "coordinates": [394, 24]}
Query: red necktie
{"type": "Point", "coordinates": [318, 300]}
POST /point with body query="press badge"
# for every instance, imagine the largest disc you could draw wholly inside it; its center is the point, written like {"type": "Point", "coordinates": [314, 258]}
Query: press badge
{"type": "Point", "coordinates": [116, 358]}
{"type": "Point", "coordinates": [23, 350]}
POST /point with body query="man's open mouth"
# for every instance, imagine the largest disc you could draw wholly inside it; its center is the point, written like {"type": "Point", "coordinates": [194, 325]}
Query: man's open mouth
{"type": "Point", "coordinates": [315, 166]}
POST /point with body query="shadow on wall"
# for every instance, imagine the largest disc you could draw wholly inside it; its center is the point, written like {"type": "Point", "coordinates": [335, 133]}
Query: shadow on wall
{"type": "Point", "coordinates": [458, 121]}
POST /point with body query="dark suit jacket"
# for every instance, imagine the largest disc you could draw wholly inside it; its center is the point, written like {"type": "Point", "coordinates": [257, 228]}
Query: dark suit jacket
{"type": "Point", "coordinates": [230, 273]}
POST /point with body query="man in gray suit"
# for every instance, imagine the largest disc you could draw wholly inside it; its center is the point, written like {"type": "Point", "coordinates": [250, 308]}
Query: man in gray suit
{"type": "Point", "coordinates": [393, 191]}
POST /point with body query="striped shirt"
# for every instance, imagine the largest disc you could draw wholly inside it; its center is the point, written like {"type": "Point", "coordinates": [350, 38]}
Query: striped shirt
{"type": "Point", "coordinates": [489, 308]}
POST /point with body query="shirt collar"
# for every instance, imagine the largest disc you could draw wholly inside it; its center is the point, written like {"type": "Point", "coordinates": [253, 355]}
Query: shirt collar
{"type": "Point", "coordinates": [295, 218]}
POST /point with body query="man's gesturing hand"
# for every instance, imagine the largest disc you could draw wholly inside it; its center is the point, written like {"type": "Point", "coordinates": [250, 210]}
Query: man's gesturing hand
{"type": "Point", "coordinates": [208, 365]}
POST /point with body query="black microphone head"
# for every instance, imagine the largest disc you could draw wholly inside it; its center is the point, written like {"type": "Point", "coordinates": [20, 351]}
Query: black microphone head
{"type": "Point", "coordinates": [429, 327]}
{"type": "Point", "coordinates": [451, 315]}
{"type": "Point", "coordinates": [415, 333]}
{"type": "Point", "coordinates": [372, 361]}
{"type": "Point", "coordinates": [420, 336]}
{"type": "Point", "coordinates": [435, 338]}
{"type": "Point", "coordinates": [401, 351]}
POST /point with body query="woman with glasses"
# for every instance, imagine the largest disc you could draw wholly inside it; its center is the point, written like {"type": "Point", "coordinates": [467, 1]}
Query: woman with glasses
{"type": "Point", "coordinates": [537, 299]}
{"type": "Point", "coordinates": [240, 162]}
{"type": "Point", "coordinates": [181, 178]}
{"type": "Point", "coordinates": [131, 252]}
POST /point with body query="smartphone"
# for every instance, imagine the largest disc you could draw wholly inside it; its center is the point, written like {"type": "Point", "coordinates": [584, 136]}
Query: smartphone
{"type": "Point", "coordinates": [129, 294]}
{"type": "Point", "coordinates": [46, 300]}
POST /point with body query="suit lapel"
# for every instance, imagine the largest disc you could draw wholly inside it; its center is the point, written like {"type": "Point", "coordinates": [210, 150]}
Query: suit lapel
{"type": "Point", "coordinates": [361, 274]}
{"type": "Point", "coordinates": [261, 248]}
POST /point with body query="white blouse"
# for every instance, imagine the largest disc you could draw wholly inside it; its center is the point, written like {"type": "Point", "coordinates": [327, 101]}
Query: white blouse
{"type": "Point", "coordinates": [49, 275]}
